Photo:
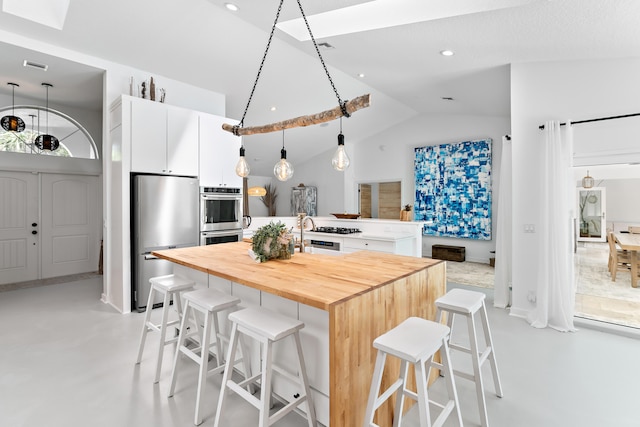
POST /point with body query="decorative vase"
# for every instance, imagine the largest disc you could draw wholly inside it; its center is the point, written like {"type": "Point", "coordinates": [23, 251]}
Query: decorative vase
{"type": "Point", "coordinates": [405, 215]}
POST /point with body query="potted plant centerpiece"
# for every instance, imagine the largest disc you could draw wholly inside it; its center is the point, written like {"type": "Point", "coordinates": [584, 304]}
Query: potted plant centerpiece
{"type": "Point", "coordinates": [272, 241]}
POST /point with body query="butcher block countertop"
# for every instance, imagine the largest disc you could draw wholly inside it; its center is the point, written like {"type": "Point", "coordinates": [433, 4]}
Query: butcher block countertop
{"type": "Point", "coordinates": [317, 280]}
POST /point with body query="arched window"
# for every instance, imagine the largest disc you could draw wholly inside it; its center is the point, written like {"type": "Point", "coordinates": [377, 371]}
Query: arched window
{"type": "Point", "coordinates": [75, 141]}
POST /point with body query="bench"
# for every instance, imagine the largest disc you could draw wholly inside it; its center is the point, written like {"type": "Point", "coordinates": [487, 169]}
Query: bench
{"type": "Point", "coordinates": [448, 253]}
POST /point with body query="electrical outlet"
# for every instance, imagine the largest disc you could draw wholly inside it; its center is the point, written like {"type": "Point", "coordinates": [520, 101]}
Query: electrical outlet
{"type": "Point", "coordinates": [531, 296]}
{"type": "Point", "coordinates": [529, 228]}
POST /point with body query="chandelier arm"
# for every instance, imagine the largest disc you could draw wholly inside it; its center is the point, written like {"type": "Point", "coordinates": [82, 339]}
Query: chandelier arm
{"type": "Point", "coordinates": [255, 84]}
{"type": "Point", "coordinates": [340, 102]}
{"type": "Point", "coordinates": [352, 106]}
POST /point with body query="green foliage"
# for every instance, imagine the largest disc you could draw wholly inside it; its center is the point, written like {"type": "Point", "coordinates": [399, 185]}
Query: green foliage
{"type": "Point", "coordinates": [271, 241]}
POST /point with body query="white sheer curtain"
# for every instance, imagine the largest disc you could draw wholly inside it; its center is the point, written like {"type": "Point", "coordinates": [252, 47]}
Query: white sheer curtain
{"type": "Point", "coordinates": [502, 280]}
{"type": "Point", "coordinates": [556, 288]}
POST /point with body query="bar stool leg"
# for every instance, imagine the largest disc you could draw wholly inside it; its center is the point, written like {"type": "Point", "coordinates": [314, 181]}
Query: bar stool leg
{"type": "Point", "coordinates": [423, 397]}
{"type": "Point", "coordinates": [448, 374]}
{"type": "Point", "coordinates": [477, 375]}
{"type": "Point", "coordinates": [265, 386]}
{"type": "Point", "coordinates": [492, 355]}
{"type": "Point", "coordinates": [204, 366]}
{"type": "Point", "coordinates": [145, 326]}
{"type": "Point", "coordinates": [311, 415]}
{"type": "Point", "coordinates": [375, 387]}
{"type": "Point", "coordinates": [397, 415]}
{"type": "Point", "coordinates": [163, 331]}
{"type": "Point", "coordinates": [181, 341]}
{"type": "Point", "coordinates": [231, 354]}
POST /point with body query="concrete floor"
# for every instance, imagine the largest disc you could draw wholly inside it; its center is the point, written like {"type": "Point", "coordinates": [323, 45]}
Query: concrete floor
{"type": "Point", "coordinates": [66, 360]}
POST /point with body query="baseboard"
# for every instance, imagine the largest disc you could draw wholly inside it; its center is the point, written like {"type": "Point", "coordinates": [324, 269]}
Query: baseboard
{"type": "Point", "coordinates": [518, 312]}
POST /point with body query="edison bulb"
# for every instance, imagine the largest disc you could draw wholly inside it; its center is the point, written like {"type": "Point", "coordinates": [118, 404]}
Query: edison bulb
{"type": "Point", "coordinates": [283, 170]}
{"type": "Point", "coordinates": [340, 160]}
{"type": "Point", "coordinates": [242, 167]}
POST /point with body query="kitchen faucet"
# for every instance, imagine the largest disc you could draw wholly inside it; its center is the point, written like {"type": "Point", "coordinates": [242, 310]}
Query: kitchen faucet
{"type": "Point", "coordinates": [303, 222]}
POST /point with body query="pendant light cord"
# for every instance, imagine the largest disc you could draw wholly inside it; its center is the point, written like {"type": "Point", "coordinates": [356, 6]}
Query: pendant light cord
{"type": "Point", "coordinates": [343, 107]}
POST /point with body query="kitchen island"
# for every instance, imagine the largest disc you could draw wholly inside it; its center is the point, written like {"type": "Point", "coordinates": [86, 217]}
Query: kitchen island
{"type": "Point", "coordinates": [364, 294]}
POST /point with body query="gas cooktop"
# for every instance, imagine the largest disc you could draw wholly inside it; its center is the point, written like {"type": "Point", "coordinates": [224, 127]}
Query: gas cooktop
{"type": "Point", "coordinates": [337, 230]}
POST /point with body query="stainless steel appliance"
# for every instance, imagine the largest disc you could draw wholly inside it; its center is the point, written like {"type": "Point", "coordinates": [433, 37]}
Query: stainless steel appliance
{"type": "Point", "coordinates": [325, 244]}
{"type": "Point", "coordinates": [215, 237]}
{"type": "Point", "coordinates": [220, 208]}
{"type": "Point", "coordinates": [337, 230]}
{"type": "Point", "coordinates": [164, 216]}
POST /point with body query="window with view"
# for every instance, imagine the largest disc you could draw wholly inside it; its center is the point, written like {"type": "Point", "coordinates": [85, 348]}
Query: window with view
{"type": "Point", "coordinates": [75, 141]}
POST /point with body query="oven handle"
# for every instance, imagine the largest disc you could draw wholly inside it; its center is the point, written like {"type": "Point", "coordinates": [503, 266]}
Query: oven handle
{"type": "Point", "coordinates": [221, 197]}
{"type": "Point", "coordinates": [230, 232]}
{"type": "Point", "coordinates": [147, 257]}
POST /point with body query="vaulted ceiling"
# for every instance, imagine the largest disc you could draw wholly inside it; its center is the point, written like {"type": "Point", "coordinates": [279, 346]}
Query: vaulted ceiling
{"type": "Point", "coordinates": [202, 43]}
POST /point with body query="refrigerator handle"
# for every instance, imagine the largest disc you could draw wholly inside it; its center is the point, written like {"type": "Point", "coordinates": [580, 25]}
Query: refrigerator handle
{"type": "Point", "coordinates": [150, 257]}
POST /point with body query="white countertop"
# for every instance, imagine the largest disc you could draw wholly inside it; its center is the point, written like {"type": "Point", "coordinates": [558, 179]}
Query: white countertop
{"type": "Point", "coordinates": [364, 235]}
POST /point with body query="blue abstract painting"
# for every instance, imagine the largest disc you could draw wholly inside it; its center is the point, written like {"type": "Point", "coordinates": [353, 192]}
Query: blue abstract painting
{"type": "Point", "coordinates": [453, 189]}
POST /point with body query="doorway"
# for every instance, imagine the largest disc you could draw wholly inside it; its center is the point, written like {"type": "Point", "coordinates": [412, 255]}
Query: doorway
{"type": "Point", "coordinates": [380, 200]}
{"type": "Point", "coordinates": [48, 226]}
{"type": "Point", "coordinates": [606, 207]}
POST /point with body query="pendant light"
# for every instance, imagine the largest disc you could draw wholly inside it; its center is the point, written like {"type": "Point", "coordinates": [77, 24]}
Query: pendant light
{"type": "Point", "coordinates": [283, 170]}
{"type": "Point", "coordinates": [242, 168]}
{"type": "Point", "coordinates": [256, 191]}
{"type": "Point", "coordinates": [46, 141]}
{"type": "Point", "coordinates": [588, 181]}
{"type": "Point", "coordinates": [12, 123]}
{"type": "Point", "coordinates": [340, 160]}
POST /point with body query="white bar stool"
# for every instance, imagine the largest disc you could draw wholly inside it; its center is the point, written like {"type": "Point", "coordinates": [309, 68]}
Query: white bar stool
{"type": "Point", "coordinates": [266, 327]}
{"type": "Point", "coordinates": [414, 341]}
{"type": "Point", "coordinates": [209, 303]}
{"type": "Point", "coordinates": [169, 286]}
{"type": "Point", "coordinates": [468, 303]}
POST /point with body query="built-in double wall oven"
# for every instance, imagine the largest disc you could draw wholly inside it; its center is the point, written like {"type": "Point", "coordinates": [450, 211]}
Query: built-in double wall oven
{"type": "Point", "coordinates": [220, 215]}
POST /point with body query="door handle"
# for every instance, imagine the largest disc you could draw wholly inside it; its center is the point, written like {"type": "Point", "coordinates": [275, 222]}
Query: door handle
{"type": "Point", "coordinates": [34, 232]}
{"type": "Point", "coordinates": [34, 224]}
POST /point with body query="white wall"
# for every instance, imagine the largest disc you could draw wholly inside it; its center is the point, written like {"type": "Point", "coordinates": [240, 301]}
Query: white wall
{"type": "Point", "coordinates": [389, 156]}
{"type": "Point", "coordinates": [574, 90]}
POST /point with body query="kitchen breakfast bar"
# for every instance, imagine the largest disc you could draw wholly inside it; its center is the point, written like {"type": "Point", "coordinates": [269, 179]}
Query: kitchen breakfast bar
{"type": "Point", "coordinates": [364, 293]}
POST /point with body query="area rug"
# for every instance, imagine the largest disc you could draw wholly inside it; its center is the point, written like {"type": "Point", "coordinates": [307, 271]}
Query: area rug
{"type": "Point", "coordinates": [470, 273]}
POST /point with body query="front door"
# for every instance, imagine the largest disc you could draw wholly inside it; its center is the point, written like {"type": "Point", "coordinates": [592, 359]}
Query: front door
{"type": "Point", "coordinates": [69, 238]}
{"type": "Point", "coordinates": [19, 227]}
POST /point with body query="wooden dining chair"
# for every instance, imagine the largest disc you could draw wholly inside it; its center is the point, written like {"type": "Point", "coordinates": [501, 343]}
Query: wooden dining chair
{"type": "Point", "coordinates": [618, 259]}
{"type": "Point", "coordinates": [634, 229]}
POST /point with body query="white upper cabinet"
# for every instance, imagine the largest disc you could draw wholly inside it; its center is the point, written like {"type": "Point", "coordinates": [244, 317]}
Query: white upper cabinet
{"type": "Point", "coordinates": [164, 139]}
{"type": "Point", "coordinates": [219, 152]}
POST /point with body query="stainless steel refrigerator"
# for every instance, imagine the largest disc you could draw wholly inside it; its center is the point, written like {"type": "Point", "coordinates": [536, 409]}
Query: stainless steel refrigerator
{"type": "Point", "coordinates": [165, 215]}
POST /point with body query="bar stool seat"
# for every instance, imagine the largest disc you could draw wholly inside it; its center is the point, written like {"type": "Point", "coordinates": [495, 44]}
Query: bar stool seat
{"type": "Point", "coordinates": [267, 328]}
{"type": "Point", "coordinates": [169, 286]}
{"type": "Point", "coordinates": [209, 303]}
{"type": "Point", "coordinates": [414, 341]}
{"type": "Point", "coordinates": [467, 303]}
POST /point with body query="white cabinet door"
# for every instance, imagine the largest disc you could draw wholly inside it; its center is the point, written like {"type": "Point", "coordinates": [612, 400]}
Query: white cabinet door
{"type": "Point", "coordinates": [148, 136]}
{"type": "Point", "coordinates": [219, 152]}
{"type": "Point", "coordinates": [182, 141]}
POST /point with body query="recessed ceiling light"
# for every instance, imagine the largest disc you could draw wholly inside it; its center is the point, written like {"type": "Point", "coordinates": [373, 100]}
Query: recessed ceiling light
{"type": "Point", "coordinates": [361, 75]}
{"type": "Point", "coordinates": [273, 108]}
{"type": "Point", "coordinates": [232, 7]}
{"type": "Point", "coordinates": [446, 52]}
